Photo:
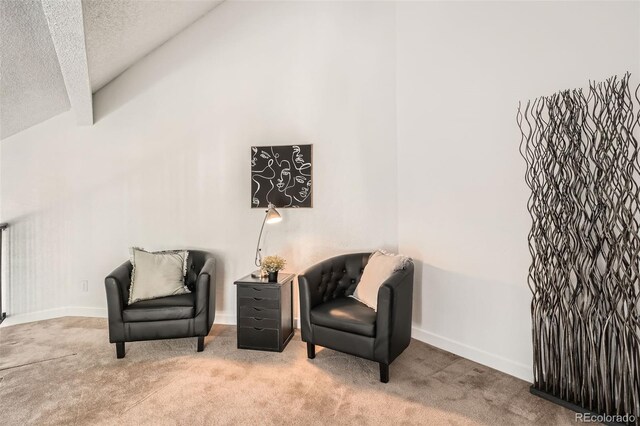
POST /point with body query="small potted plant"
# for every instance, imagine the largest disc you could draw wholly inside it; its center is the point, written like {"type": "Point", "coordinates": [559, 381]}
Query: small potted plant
{"type": "Point", "coordinates": [273, 264]}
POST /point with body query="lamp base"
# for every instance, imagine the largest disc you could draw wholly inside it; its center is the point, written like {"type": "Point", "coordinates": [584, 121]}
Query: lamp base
{"type": "Point", "coordinates": [258, 273]}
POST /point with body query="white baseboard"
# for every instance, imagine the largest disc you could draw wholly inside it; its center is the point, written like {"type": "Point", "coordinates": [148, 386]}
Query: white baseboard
{"type": "Point", "coordinates": [514, 368]}
{"type": "Point", "coordinates": [505, 365]}
{"type": "Point", "coordinates": [54, 313]}
{"type": "Point", "coordinates": [224, 318]}
{"type": "Point", "coordinates": [230, 319]}
{"type": "Point", "coordinates": [221, 317]}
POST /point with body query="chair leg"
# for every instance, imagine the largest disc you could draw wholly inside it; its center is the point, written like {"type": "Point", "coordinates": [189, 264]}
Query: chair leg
{"type": "Point", "coordinates": [311, 350]}
{"type": "Point", "coordinates": [119, 350]}
{"type": "Point", "coordinates": [200, 343]}
{"type": "Point", "coordinates": [384, 373]}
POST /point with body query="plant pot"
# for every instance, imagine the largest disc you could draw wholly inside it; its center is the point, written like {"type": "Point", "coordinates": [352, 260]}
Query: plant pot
{"type": "Point", "coordinates": [273, 277]}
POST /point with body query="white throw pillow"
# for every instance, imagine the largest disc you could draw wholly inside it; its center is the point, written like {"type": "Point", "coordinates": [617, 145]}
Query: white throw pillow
{"type": "Point", "coordinates": [381, 265]}
{"type": "Point", "coordinates": [157, 274]}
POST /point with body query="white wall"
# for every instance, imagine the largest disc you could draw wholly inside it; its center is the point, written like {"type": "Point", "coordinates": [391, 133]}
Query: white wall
{"type": "Point", "coordinates": [167, 162]}
{"type": "Point", "coordinates": [461, 70]}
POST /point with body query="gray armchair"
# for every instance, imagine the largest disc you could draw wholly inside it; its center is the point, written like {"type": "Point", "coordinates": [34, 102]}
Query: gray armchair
{"type": "Point", "coordinates": [329, 318]}
{"type": "Point", "coordinates": [184, 315]}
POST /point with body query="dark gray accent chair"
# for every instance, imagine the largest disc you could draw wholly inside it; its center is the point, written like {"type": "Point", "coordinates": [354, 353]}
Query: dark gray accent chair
{"type": "Point", "coordinates": [329, 318]}
{"type": "Point", "coordinates": [184, 315]}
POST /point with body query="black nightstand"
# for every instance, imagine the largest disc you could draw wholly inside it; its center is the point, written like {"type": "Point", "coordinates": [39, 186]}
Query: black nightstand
{"type": "Point", "coordinates": [265, 312]}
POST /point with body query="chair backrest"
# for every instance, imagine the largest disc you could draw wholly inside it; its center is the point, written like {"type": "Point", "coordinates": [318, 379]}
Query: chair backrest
{"type": "Point", "coordinates": [340, 275]}
{"type": "Point", "coordinates": [198, 259]}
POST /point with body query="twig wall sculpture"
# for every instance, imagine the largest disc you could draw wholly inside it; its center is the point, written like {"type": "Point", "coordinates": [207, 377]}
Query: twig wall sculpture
{"type": "Point", "coordinates": [584, 173]}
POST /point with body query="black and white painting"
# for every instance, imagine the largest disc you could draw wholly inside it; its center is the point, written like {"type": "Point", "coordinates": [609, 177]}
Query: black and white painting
{"type": "Point", "coordinates": [281, 175]}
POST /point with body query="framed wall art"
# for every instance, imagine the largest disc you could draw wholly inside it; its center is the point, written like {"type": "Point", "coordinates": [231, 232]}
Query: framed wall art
{"type": "Point", "coordinates": [281, 175]}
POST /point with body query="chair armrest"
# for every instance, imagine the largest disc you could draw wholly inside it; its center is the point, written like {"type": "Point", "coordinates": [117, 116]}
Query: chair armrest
{"type": "Point", "coordinates": [114, 284]}
{"type": "Point", "coordinates": [309, 284]}
{"type": "Point", "coordinates": [118, 283]}
{"type": "Point", "coordinates": [393, 317]}
{"type": "Point", "coordinates": [310, 296]}
{"type": "Point", "coordinates": [205, 293]}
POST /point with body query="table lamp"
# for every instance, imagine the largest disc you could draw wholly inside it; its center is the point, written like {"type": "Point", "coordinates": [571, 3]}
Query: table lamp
{"type": "Point", "coordinates": [271, 216]}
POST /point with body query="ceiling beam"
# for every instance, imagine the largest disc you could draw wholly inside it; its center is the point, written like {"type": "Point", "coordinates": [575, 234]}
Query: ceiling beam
{"type": "Point", "coordinates": [66, 26]}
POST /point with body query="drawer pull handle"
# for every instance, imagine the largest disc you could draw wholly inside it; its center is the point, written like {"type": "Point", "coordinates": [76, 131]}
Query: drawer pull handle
{"type": "Point", "coordinates": [257, 298]}
{"type": "Point", "coordinates": [257, 318]}
{"type": "Point", "coordinates": [257, 309]}
{"type": "Point", "coordinates": [258, 328]}
{"type": "Point", "coordinates": [256, 289]}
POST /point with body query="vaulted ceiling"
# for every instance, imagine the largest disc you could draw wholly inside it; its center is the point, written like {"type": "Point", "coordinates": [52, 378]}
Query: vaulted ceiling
{"type": "Point", "coordinates": [31, 85]}
{"type": "Point", "coordinates": [120, 32]}
{"type": "Point", "coordinates": [54, 54]}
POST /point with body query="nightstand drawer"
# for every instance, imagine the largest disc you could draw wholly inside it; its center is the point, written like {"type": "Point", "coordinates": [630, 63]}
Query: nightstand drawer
{"type": "Point", "coordinates": [258, 338]}
{"type": "Point", "coordinates": [259, 292]}
{"type": "Point", "coordinates": [259, 302]}
{"type": "Point", "coordinates": [252, 311]}
{"type": "Point", "coordinates": [258, 322]}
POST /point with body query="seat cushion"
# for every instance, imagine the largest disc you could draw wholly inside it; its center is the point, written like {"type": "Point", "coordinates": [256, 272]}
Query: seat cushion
{"type": "Point", "coordinates": [345, 314]}
{"type": "Point", "coordinates": [164, 308]}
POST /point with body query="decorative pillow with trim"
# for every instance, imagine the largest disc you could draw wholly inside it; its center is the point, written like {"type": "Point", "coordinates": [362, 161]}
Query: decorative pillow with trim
{"type": "Point", "coordinates": [157, 274]}
{"type": "Point", "coordinates": [380, 267]}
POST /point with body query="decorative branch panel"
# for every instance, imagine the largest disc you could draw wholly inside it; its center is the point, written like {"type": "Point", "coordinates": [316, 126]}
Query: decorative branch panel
{"type": "Point", "coordinates": [584, 174]}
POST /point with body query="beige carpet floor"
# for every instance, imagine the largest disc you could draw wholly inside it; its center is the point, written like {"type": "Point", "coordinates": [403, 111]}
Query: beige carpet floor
{"type": "Point", "coordinates": [64, 372]}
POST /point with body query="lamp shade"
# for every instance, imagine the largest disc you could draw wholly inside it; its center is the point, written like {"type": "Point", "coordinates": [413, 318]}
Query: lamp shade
{"type": "Point", "coordinates": [272, 214]}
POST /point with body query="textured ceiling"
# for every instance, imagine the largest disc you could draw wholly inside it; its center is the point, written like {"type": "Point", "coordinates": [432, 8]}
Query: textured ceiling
{"type": "Point", "coordinates": [67, 32]}
{"type": "Point", "coordinates": [55, 53]}
{"type": "Point", "coordinates": [120, 32]}
{"type": "Point", "coordinates": [31, 85]}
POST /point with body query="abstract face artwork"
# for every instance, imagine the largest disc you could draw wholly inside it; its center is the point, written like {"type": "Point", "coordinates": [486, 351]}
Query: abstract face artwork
{"type": "Point", "coordinates": [281, 175]}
